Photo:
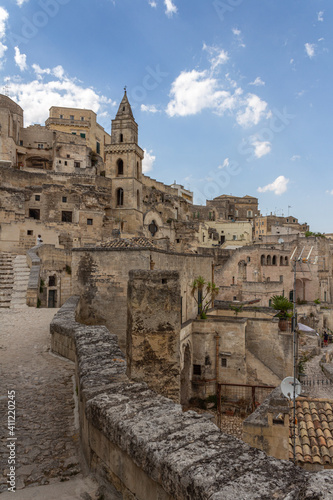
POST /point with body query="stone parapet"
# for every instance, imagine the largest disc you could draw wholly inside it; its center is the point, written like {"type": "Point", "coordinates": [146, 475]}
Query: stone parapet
{"type": "Point", "coordinates": [148, 448]}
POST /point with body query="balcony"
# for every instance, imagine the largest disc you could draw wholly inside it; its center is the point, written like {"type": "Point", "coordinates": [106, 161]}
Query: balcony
{"type": "Point", "coordinates": [68, 122]}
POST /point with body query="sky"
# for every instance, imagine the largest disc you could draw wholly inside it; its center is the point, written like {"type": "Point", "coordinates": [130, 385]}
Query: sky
{"type": "Point", "coordinates": [231, 96]}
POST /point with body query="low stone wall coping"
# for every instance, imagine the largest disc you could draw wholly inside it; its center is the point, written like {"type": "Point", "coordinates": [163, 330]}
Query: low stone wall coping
{"type": "Point", "coordinates": [182, 452]}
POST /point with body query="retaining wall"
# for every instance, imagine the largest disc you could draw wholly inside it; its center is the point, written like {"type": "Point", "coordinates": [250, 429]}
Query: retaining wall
{"type": "Point", "coordinates": [148, 448]}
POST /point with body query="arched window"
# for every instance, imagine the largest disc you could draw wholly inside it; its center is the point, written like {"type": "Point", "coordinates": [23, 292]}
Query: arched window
{"type": "Point", "coordinates": [262, 260]}
{"type": "Point", "coordinates": [120, 197]}
{"type": "Point", "coordinates": [274, 260]}
{"type": "Point", "coordinates": [120, 167]}
{"type": "Point", "coordinates": [281, 261]}
{"type": "Point", "coordinates": [137, 170]}
{"type": "Point", "coordinates": [286, 261]}
{"type": "Point", "coordinates": [138, 199]}
{"type": "Point", "coordinates": [269, 260]}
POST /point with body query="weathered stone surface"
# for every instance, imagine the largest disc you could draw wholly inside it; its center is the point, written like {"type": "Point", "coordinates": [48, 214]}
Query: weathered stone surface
{"type": "Point", "coordinates": [148, 440]}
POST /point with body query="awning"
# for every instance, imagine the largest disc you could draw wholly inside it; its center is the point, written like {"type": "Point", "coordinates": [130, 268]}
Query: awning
{"type": "Point", "coordinates": [305, 328]}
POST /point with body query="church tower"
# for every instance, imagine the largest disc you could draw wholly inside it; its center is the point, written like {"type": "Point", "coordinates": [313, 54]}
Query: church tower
{"type": "Point", "coordinates": [123, 164]}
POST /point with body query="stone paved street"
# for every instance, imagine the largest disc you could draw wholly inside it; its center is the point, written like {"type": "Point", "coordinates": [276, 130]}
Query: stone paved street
{"type": "Point", "coordinates": [313, 370]}
{"type": "Point", "coordinates": [47, 440]}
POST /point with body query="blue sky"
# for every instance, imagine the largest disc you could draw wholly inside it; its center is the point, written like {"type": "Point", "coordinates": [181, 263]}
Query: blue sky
{"type": "Point", "coordinates": [231, 96]}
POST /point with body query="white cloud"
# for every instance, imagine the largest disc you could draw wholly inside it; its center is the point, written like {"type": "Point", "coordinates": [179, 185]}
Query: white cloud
{"type": "Point", "coordinates": [295, 157]}
{"type": "Point", "coordinates": [261, 148]}
{"type": "Point", "coordinates": [217, 56]}
{"type": "Point", "coordinates": [194, 91]}
{"type": "Point", "coordinates": [170, 8]}
{"type": "Point", "coordinates": [148, 161]}
{"type": "Point", "coordinates": [279, 186]}
{"type": "Point", "coordinates": [257, 82]}
{"type": "Point", "coordinates": [21, 2]}
{"type": "Point", "coordinates": [152, 3]}
{"type": "Point", "coordinates": [225, 163]}
{"type": "Point", "coordinates": [255, 110]}
{"type": "Point", "coordinates": [37, 96]}
{"type": "Point", "coordinates": [310, 49]}
{"type": "Point", "coordinates": [149, 108]}
{"type": "Point", "coordinates": [330, 192]}
{"type": "Point", "coordinates": [20, 59]}
{"type": "Point", "coordinates": [321, 16]}
{"type": "Point", "coordinates": [3, 22]}
{"type": "Point", "coordinates": [58, 72]}
{"type": "Point", "coordinates": [238, 34]}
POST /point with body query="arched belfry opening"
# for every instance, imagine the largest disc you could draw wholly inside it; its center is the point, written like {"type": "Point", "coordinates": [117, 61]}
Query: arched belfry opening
{"type": "Point", "coordinates": [120, 167]}
{"type": "Point", "coordinates": [120, 197]}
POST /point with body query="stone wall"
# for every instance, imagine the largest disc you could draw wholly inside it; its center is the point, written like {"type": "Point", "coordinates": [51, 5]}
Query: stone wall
{"type": "Point", "coordinates": [153, 330]}
{"type": "Point", "coordinates": [100, 277]}
{"type": "Point", "coordinates": [148, 448]}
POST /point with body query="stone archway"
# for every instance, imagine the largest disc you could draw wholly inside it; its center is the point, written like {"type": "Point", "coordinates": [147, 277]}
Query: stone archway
{"type": "Point", "coordinates": [185, 377]}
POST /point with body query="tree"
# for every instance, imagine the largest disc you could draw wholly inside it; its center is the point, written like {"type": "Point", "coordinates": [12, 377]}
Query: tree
{"type": "Point", "coordinates": [236, 309]}
{"type": "Point", "coordinates": [207, 292]}
{"type": "Point", "coordinates": [281, 304]}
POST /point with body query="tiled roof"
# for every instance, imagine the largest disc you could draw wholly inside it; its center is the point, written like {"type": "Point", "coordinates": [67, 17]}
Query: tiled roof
{"type": "Point", "coordinates": [314, 432]}
{"type": "Point", "coordinates": [129, 243]}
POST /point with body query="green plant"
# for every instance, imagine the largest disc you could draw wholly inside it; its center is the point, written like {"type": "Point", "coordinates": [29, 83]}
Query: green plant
{"type": "Point", "coordinates": [207, 292]}
{"type": "Point", "coordinates": [281, 304]}
{"type": "Point", "coordinates": [41, 285]}
{"type": "Point", "coordinates": [236, 309]}
{"type": "Point", "coordinates": [317, 301]}
{"type": "Point", "coordinates": [68, 269]}
{"type": "Point", "coordinates": [38, 303]}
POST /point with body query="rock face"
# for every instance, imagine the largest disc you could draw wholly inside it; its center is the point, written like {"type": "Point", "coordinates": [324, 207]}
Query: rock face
{"type": "Point", "coordinates": [148, 448]}
{"type": "Point", "coordinates": [153, 330]}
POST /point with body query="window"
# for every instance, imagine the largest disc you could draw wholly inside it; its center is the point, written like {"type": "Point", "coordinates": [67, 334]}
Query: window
{"type": "Point", "coordinates": [76, 164]}
{"type": "Point", "coordinates": [120, 197]}
{"type": "Point", "coordinates": [89, 222]}
{"type": "Point", "coordinates": [281, 278]}
{"type": "Point", "coordinates": [98, 147]}
{"type": "Point", "coordinates": [66, 216]}
{"type": "Point", "coordinates": [65, 162]}
{"type": "Point", "coordinates": [249, 213]}
{"type": "Point", "coordinates": [61, 117]}
{"type": "Point", "coordinates": [83, 135]}
{"type": "Point", "coordinates": [34, 213]}
{"type": "Point", "coordinates": [120, 167]}
{"type": "Point", "coordinates": [37, 197]}
{"type": "Point", "coordinates": [121, 138]}
{"type": "Point", "coordinates": [71, 117]}
{"type": "Point", "coordinates": [234, 237]}
{"type": "Point", "coordinates": [30, 232]}
{"type": "Point", "coordinates": [248, 259]}
{"type": "Point", "coordinates": [21, 143]}
{"type": "Point", "coordinates": [123, 108]}
{"type": "Point", "coordinates": [59, 161]}
{"type": "Point", "coordinates": [137, 170]}
{"type": "Point", "coordinates": [153, 228]}
{"type": "Point", "coordinates": [224, 362]}
{"type": "Point", "coordinates": [73, 133]}
{"type": "Point", "coordinates": [138, 199]}
{"type": "Point", "coordinates": [68, 156]}
{"type": "Point", "coordinates": [82, 118]}
{"type": "Point", "coordinates": [40, 146]}
{"type": "Point", "coordinates": [52, 281]}
{"type": "Point", "coordinates": [325, 296]}
{"type": "Point", "coordinates": [196, 369]}
{"type": "Point", "coordinates": [64, 199]}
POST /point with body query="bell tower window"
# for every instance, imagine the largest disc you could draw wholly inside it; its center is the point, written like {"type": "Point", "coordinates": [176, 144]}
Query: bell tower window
{"type": "Point", "coordinates": [120, 197]}
{"type": "Point", "coordinates": [121, 138]}
{"type": "Point", "coordinates": [120, 167]}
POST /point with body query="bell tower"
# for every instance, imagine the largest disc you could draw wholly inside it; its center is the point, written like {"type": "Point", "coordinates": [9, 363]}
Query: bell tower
{"type": "Point", "coordinates": [123, 164]}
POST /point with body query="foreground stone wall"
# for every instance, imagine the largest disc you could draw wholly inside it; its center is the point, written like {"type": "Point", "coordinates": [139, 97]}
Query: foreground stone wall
{"type": "Point", "coordinates": [149, 449]}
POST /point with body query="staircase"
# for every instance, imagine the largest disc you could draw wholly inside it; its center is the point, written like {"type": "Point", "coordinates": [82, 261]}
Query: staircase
{"type": "Point", "coordinates": [14, 277]}
{"type": "Point", "coordinates": [21, 278]}
{"type": "Point", "coordinates": [6, 279]}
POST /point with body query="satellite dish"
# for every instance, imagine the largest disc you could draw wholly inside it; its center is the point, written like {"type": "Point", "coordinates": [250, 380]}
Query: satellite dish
{"type": "Point", "coordinates": [280, 240]}
{"type": "Point", "coordinates": [287, 387]}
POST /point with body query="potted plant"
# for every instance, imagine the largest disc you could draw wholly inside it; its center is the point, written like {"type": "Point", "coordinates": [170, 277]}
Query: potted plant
{"type": "Point", "coordinates": [283, 305]}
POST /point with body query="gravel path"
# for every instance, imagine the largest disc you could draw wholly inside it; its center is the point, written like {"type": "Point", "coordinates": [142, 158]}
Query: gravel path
{"type": "Point", "coordinates": [45, 450]}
